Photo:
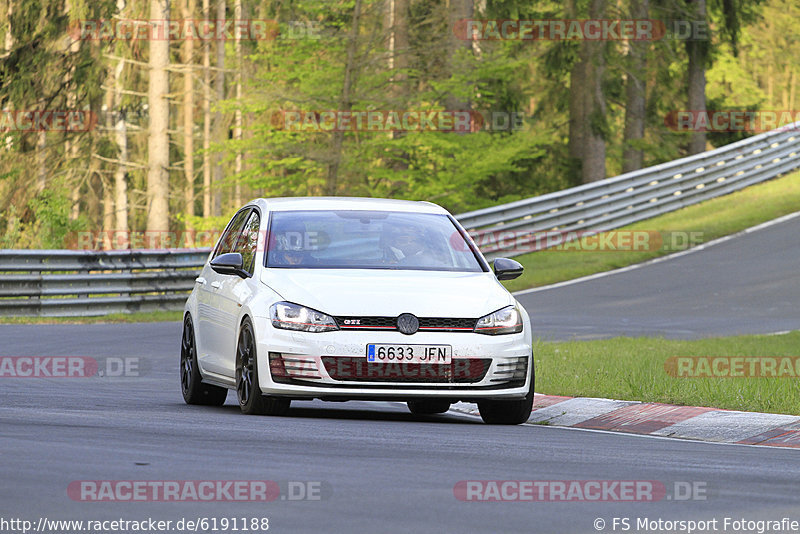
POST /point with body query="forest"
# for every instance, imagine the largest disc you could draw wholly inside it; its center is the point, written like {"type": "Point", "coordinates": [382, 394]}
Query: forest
{"type": "Point", "coordinates": [166, 116]}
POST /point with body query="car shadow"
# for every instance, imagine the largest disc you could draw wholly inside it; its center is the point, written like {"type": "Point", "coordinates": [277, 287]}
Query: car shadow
{"type": "Point", "coordinates": [377, 415]}
{"type": "Point", "coordinates": [330, 410]}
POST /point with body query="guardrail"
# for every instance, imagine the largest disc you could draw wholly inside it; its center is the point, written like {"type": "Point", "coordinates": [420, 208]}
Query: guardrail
{"type": "Point", "coordinates": [511, 229]}
{"type": "Point", "coordinates": [81, 283]}
{"type": "Point", "coordinates": [64, 283]}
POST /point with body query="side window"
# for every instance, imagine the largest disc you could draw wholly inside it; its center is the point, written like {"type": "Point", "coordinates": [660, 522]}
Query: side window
{"type": "Point", "coordinates": [228, 239]}
{"type": "Point", "coordinates": [248, 242]}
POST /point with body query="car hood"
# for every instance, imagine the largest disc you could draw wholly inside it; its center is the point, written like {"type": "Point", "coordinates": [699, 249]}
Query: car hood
{"type": "Point", "coordinates": [389, 293]}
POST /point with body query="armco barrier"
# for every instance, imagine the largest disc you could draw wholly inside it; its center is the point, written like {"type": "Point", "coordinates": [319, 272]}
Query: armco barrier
{"type": "Point", "coordinates": [62, 283]}
{"type": "Point", "coordinates": [635, 196]}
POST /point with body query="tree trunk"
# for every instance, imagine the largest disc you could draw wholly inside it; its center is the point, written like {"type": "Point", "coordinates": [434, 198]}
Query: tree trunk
{"type": "Point", "coordinates": [785, 89]}
{"type": "Point", "coordinates": [121, 138]}
{"type": "Point", "coordinates": [8, 45]}
{"type": "Point", "coordinates": [396, 24]}
{"type": "Point", "coordinates": [41, 158]}
{"type": "Point", "coordinates": [478, 11]}
{"type": "Point", "coordinates": [237, 131]}
{"type": "Point", "coordinates": [109, 102]}
{"type": "Point", "coordinates": [9, 39]}
{"type": "Point", "coordinates": [770, 84]}
{"type": "Point", "coordinates": [94, 196]}
{"type": "Point", "coordinates": [188, 116]}
{"type": "Point", "coordinates": [219, 127]}
{"type": "Point", "coordinates": [587, 145]}
{"type": "Point", "coordinates": [698, 56]}
{"type": "Point", "coordinates": [459, 9]}
{"type": "Point", "coordinates": [158, 137]}
{"type": "Point", "coordinates": [108, 210]}
{"type": "Point", "coordinates": [577, 123]}
{"type": "Point", "coordinates": [120, 184]}
{"type": "Point", "coordinates": [206, 118]}
{"type": "Point", "coordinates": [344, 104]}
{"type": "Point", "coordinates": [635, 95]}
{"type": "Point", "coordinates": [70, 146]}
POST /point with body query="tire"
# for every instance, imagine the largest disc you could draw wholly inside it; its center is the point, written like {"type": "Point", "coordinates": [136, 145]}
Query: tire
{"type": "Point", "coordinates": [251, 400]}
{"type": "Point", "coordinates": [192, 387]}
{"type": "Point", "coordinates": [514, 412]}
{"type": "Point", "coordinates": [428, 407]}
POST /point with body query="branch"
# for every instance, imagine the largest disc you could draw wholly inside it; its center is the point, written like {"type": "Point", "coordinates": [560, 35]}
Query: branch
{"type": "Point", "coordinates": [120, 162]}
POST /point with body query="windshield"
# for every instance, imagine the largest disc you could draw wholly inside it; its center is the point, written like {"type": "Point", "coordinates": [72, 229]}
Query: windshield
{"type": "Point", "coordinates": [368, 240]}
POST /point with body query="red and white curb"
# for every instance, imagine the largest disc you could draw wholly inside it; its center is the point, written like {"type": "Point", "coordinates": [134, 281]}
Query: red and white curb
{"type": "Point", "coordinates": [664, 420]}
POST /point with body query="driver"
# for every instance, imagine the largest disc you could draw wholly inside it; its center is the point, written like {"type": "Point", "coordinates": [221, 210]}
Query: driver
{"type": "Point", "coordinates": [406, 246]}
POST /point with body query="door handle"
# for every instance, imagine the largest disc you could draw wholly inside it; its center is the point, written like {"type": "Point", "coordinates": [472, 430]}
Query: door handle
{"type": "Point", "coordinates": [215, 285]}
{"type": "Point", "coordinates": [200, 280]}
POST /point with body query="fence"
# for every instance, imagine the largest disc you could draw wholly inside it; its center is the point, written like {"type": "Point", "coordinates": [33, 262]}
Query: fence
{"type": "Point", "coordinates": [61, 283]}
{"type": "Point", "coordinates": [80, 283]}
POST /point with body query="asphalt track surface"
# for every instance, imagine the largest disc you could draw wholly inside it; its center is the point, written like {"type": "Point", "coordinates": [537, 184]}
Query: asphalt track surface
{"type": "Point", "coordinates": [380, 468]}
{"type": "Point", "coordinates": [749, 284]}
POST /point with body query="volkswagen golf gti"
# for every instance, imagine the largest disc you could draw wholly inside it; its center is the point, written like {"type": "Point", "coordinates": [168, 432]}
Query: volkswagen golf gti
{"type": "Point", "coordinates": [355, 298]}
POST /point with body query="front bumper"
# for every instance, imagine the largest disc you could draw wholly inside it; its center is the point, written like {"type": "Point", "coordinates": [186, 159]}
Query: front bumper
{"type": "Point", "coordinates": [332, 366]}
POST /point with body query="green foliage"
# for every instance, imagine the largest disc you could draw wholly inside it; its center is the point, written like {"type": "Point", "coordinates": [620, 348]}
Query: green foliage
{"type": "Point", "coordinates": [49, 226]}
{"type": "Point", "coordinates": [52, 224]}
{"type": "Point", "coordinates": [461, 171]}
{"type": "Point", "coordinates": [12, 235]}
{"type": "Point", "coordinates": [753, 64]}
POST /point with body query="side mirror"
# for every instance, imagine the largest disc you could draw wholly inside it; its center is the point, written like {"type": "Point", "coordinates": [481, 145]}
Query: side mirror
{"type": "Point", "coordinates": [230, 263]}
{"type": "Point", "coordinates": [507, 269]}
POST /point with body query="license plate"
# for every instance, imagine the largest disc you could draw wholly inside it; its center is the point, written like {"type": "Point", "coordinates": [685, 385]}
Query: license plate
{"type": "Point", "coordinates": [386, 353]}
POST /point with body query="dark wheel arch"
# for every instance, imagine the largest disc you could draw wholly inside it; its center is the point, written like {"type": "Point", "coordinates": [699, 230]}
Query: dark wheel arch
{"type": "Point", "coordinates": [248, 392]}
{"type": "Point", "coordinates": [193, 389]}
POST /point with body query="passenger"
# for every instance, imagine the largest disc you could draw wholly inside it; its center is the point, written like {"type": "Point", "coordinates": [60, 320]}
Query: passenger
{"type": "Point", "coordinates": [289, 248]}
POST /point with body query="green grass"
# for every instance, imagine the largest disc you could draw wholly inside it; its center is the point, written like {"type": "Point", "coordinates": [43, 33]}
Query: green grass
{"type": "Point", "coordinates": [634, 369]}
{"type": "Point", "coordinates": [714, 218]}
{"type": "Point", "coordinates": [141, 317]}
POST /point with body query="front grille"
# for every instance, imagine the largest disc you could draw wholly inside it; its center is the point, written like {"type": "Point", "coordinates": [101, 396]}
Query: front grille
{"type": "Point", "coordinates": [354, 369]}
{"type": "Point", "coordinates": [366, 323]}
{"type": "Point", "coordinates": [445, 324]}
{"type": "Point", "coordinates": [427, 324]}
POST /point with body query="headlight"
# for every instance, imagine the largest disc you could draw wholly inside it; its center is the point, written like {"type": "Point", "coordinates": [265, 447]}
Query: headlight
{"type": "Point", "coordinates": [290, 316]}
{"type": "Point", "coordinates": [505, 321]}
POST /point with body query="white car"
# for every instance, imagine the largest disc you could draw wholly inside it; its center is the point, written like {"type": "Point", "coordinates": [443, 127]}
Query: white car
{"type": "Point", "coordinates": [355, 298]}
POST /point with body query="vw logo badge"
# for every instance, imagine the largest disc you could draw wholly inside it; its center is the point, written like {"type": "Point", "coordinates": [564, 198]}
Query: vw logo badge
{"type": "Point", "coordinates": [407, 323]}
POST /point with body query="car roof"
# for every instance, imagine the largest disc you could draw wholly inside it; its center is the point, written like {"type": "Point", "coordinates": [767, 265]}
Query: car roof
{"type": "Point", "coordinates": [346, 203]}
